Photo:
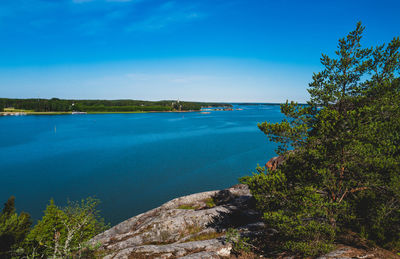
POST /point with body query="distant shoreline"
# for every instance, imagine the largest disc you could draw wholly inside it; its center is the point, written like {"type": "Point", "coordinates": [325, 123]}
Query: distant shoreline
{"type": "Point", "coordinates": [86, 113]}
{"type": "Point", "coordinates": [55, 106]}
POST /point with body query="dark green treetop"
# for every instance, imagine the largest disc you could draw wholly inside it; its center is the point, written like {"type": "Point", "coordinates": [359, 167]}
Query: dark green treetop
{"type": "Point", "coordinates": [13, 228]}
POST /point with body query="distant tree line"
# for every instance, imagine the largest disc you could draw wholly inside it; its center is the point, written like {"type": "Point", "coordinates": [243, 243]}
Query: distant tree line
{"type": "Point", "coordinates": [63, 105]}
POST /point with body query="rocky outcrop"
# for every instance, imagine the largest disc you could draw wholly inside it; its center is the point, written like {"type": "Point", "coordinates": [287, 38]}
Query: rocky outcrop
{"type": "Point", "coordinates": [192, 226]}
{"type": "Point", "coordinates": [351, 252]}
{"type": "Point", "coordinates": [274, 162]}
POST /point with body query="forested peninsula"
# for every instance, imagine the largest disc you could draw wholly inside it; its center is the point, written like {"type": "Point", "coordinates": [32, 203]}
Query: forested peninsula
{"type": "Point", "coordinates": [68, 106]}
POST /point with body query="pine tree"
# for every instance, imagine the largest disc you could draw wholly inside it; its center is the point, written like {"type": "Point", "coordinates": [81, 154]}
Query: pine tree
{"type": "Point", "coordinates": [346, 150]}
{"type": "Point", "coordinates": [13, 228]}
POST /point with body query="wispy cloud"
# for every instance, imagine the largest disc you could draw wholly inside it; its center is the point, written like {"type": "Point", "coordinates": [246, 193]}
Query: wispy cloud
{"type": "Point", "coordinates": [122, 1]}
{"type": "Point", "coordinates": [167, 14]}
{"type": "Point", "coordinates": [81, 1]}
{"type": "Point", "coordinates": [135, 16]}
{"type": "Point", "coordinates": [87, 1]}
{"type": "Point", "coordinates": [157, 22]}
{"type": "Point", "coordinates": [92, 17]}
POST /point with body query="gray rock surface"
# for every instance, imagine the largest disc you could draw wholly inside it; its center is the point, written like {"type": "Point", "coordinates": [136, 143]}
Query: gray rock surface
{"type": "Point", "coordinates": [351, 252]}
{"type": "Point", "coordinates": [192, 226]}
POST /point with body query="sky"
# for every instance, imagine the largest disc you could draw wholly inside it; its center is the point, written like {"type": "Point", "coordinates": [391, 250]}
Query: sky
{"type": "Point", "coordinates": [208, 50]}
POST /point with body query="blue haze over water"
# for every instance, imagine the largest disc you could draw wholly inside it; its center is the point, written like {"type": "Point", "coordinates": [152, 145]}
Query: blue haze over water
{"type": "Point", "coordinates": [131, 162]}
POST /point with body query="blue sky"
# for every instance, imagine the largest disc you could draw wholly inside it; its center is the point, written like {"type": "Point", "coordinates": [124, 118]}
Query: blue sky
{"type": "Point", "coordinates": [208, 50]}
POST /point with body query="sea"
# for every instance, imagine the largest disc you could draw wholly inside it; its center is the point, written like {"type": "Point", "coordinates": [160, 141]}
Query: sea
{"type": "Point", "coordinates": [130, 162]}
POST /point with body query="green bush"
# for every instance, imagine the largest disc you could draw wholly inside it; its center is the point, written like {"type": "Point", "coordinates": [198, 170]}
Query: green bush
{"type": "Point", "coordinates": [64, 231]}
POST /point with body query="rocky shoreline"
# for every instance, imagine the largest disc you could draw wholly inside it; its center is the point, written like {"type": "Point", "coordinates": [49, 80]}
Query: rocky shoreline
{"type": "Point", "coordinates": [192, 226]}
{"type": "Point", "coordinates": [195, 226]}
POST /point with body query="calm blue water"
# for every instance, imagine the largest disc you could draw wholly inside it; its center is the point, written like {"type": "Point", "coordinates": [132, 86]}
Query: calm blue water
{"type": "Point", "coordinates": [132, 162]}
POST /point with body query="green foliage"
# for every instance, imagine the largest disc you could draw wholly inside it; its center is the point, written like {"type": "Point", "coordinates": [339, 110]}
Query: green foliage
{"type": "Point", "coordinates": [210, 202]}
{"type": "Point", "coordinates": [61, 233]}
{"type": "Point", "coordinates": [102, 108]}
{"type": "Point", "coordinates": [45, 232]}
{"type": "Point", "coordinates": [291, 132]}
{"type": "Point", "coordinates": [239, 244]}
{"type": "Point", "coordinates": [187, 207]}
{"type": "Point", "coordinates": [13, 228]}
{"type": "Point", "coordinates": [344, 171]}
{"type": "Point", "coordinates": [300, 215]}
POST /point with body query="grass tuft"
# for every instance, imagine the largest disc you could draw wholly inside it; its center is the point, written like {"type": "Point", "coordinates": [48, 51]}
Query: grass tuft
{"type": "Point", "coordinates": [187, 207]}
